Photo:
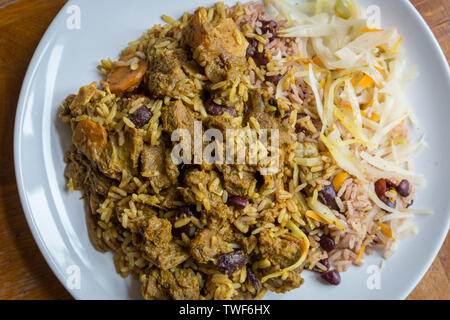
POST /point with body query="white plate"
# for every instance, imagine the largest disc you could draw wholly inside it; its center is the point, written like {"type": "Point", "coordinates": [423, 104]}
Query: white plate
{"type": "Point", "coordinates": [66, 59]}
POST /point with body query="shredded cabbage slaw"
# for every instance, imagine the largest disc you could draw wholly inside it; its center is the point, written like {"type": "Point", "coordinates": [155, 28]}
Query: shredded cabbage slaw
{"type": "Point", "coordinates": [364, 74]}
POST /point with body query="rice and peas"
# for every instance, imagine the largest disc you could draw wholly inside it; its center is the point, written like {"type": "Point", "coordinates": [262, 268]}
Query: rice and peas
{"type": "Point", "coordinates": [329, 82]}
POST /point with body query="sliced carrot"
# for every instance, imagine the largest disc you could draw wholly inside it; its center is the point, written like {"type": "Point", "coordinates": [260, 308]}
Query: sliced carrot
{"type": "Point", "coordinates": [348, 107]}
{"type": "Point", "coordinates": [311, 214]}
{"type": "Point", "coordinates": [339, 179]}
{"type": "Point", "coordinates": [371, 30]}
{"type": "Point", "coordinates": [366, 81]}
{"type": "Point", "coordinates": [353, 81]}
{"type": "Point", "coordinates": [375, 117]}
{"type": "Point", "coordinates": [122, 78]}
{"type": "Point", "coordinates": [361, 252]}
{"type": "Point", "coordinates": [317, 61]}
{"type": "Point", "coordinates": [385, 229]}
{"type": "Point", "coordinates": [394, 50]}
{"type": "Point", "coordinates": [369, 104]}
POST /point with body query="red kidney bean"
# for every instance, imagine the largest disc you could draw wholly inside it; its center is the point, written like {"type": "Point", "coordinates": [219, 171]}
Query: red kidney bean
{"type": "Point", "coordinates": [270, 27]}
{"type": "Point", "coordinates": [327, 243]}
{"type": "Point", "coordinates": [250, 51]}
{"type": "Point", "coordinates": [231, 262]}
{"type": "Point", "coordinates": [140, 117]}
{"type": "Point", "coordinates": [327, 195]}
{"type": "Point", "coordinates": [274, 79]}
{"type": "Point", "coordinates": [381, 187]}
{"type": "Point", "coordinates": [326, 264]}
{"type": "Point", "coordinates": [273, 102]}
{"type": "Point", "coordinates": [213, 109]}
{"type": "Point", "coordinates": [231, 111]}
{"type": "Point", "coordinates": [187, 229]}
{"type": "Point", "coordinates": [332, 277]}
{"type": "Point", "coordinates": [260, 59]}
{"type": "Point", "coordinates": [217, 110]}
{"type": "Point", "coordinates": [404, 188]}
{"type": "Point", "coordinates": [237, 202]}
{"type": "Point", "coordinates": [253, 281]}
{"type": "Point", "coordinates": [186, 210]}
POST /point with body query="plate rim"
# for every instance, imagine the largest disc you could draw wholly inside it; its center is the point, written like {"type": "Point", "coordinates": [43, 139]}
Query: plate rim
{"type": "Point", "coordinates": [24, 93]}
{"type": "Point", "coordinates": [18, 124]}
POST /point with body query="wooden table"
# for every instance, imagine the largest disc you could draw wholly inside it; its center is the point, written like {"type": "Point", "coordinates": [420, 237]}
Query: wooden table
{"type": "Point", "coordinates": [24, 274]}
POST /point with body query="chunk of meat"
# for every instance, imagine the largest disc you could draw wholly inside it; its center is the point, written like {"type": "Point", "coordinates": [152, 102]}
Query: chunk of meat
{"type": "Point", "coordinates": [78, 104]}
{"type": "Point", "coordinates": [177, 116]}
{"type": "Point", "coordinates": [225, 39]}
{"type": "Point", "coordinates": [171, 198]}
{"type": "Point", "coordinates": [281, 252]}
{"type": "Point", "coordinates": [218, 39]}
{"type": "Point", "coordinates": [151, 287]}
{"type": "Point", "coordinates": [292, 281]}
{"type": "Point", "coordinates": [166, 72]}
{"type": "Point", "coordinates": [195, 177]}
{"type": "Point", "coordinates": [222, 67]}
{"type": "Point", "coordinates": [172, 170]}
{"type": "Point", "coordinates": [256, 104]}
{"type": "Point", "coordinates": [237, 182]}
{"type": "Point", "coordinates": [82, 175]}
{"type": "Point", "coordinates": [222, 123]}
{"type": "Point", "coordinates": [123, 78]}
{"type": "Point", "coordinates": [199, 179]}
{"type": "Point", "coordinates": [222, 54]}
{"type": "Point", "coordinates": [256, 109]}
{"type": "Point", "coordinates": [99, 183]}
{"type": "Point", "coordinates": [219, 218]}
{"type": "Point", "coordinates": [267, 121]}
{"type": "Point", "coordinates": [159, 231]}
{"type": "Point", "coordinates": [159, 246]}
{"type": "Point", "coordinates": [153, 166]}
{"type": "Point", "coordinates": [197, 30]}
{"type": "Point", "coordinates": [75, 171]}
{"type": "Point", "coordinates": [181, 284]}
{"type": "Point", "coordinates": [206, 245]}
{"type": "Point", "coordinates": [117, 158]}
{"type": "Point", "coordinates": [90, 138]}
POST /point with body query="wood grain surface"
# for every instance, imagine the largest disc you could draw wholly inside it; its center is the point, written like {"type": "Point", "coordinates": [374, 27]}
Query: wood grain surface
{"type": "Point", "coordinates": [24, 274]}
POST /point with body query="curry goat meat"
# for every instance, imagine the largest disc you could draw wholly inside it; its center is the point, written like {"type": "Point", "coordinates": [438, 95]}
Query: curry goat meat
{"type": "Point", "coordinates": [186, 231]}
